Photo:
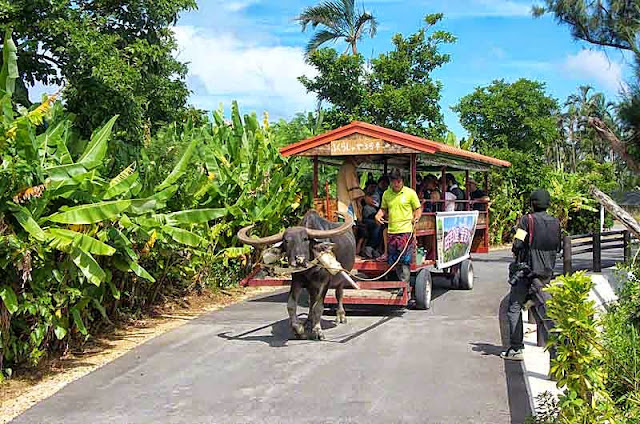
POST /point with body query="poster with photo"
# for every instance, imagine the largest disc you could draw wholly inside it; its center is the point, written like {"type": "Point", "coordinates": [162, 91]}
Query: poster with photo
{"type": "Point", "coordinates": [454, 236]}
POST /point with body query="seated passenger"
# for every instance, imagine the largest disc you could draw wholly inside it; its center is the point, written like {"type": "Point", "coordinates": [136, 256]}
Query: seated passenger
{"type": "Point", "coordinates": [479, 199]}
{"type": "Point", "coordinates": [452, 187]}
{"type": "Point", "coordinates": [369, 210]}
{"type": "Point", "coordinates": [431, 194]}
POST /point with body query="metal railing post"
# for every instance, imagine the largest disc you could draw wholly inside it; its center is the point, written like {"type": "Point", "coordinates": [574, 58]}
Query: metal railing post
{"type": "Point", "coordinates": [597, 252]}
{"type": "Point", "coordinates": [626, 237]}
{"type": "Point", "coordinates": [566, 255]}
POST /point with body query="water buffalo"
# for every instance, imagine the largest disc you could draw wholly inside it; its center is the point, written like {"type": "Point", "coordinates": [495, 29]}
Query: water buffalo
{"type": "Point", "coordinates": [298, 243]}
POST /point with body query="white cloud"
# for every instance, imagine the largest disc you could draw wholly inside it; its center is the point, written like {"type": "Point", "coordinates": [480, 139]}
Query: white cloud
{"type": "Point", "coordinates": [237, 6]}
{"type": "Point", "coordinates": [485, 8]}
{"type": "Point", "coordinates": [228, 68]}
{"type": "Point", "coordinates": [503, 8]}
{"type": "Point", "coordinates": [595, 66]}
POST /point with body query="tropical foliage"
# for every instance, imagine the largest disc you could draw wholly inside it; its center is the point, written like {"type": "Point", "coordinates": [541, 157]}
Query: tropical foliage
{"type": "Point", "coordinates": [597, 357]}
{"type": "Point", "coordinates": [608, 24]}
{"type": "Point", "coordinates": [502, 115]}
{"type": "Point", "coordinates": [78, 249]}
{"type": "Point", "coordinates": [396, 91]}
{"type": "Point", "coordinates": [340, 19]}
{"type": "Point", "coordinates": [111, 57]}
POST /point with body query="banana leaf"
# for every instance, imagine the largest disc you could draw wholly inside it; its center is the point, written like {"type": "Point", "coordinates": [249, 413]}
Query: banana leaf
{"type": "Point", "coordinates": [77, 318]}
{"type": "Point", "coordinates": [152, 221]}
{"type": "Point", "coordinates": [180, 167]}
{"type": "Point", "coordinates": [194, 216]}
{"type": "Point", "coordinates": [184, 236]}
{"type": "Point", "coordinates": [139, 271]}
{"type": "Point", "coordinates": [121, 187]}
{"type": "Point", "coordinates": [25, 219]}
{"type": "Point", "coordinates": [123, 242]}
{"type": "Point", "coordinates": [91, 213]}
{"type": "Point", "coordinates": [53, 141]}
{"type": "Point", "coordinates": [88, 265]}
{"type": "Point", "coordinates": [62, 173]}
{"type": "Point", "coordinates": [61, 239]}
{"type": "Point", "coordinates": [9, 299]}
{"type": "Point", "coordinates": [152, 203]}
{"type": "Point", "coordinates": [142, 206]}
{"type": "Point", "coordinates": [9, 72]}
{"type": "Point", "coordinates": [97, 147]}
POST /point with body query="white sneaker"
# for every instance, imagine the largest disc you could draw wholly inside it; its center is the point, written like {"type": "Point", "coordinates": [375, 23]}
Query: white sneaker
{"type": "Point", "coordinates": [513, 354]}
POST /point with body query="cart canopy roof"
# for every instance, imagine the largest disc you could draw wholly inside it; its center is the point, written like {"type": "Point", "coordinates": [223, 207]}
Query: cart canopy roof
{"type": "Point", "coordinates": [381, 144]}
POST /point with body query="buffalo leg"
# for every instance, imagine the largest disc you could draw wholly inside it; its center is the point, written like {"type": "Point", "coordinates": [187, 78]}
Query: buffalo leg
{"type": "Point", "coordinates": [341, 316]}
{"type": "Point", "coordinates": [313, 293]}
{"type": "Point", "coordinates": [292, 307]}
{"type": "Point", "coordinates": [315, 313]}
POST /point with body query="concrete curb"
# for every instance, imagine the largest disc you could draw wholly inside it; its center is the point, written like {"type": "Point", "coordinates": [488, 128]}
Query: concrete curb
{"type": "Point", "coordinates": [535, 366]}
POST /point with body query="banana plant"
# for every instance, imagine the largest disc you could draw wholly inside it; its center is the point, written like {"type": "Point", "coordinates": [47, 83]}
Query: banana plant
{"type": "Point", "coordinates": [248, 175]}
{"type": "Point", "coordinates": [65, 229]}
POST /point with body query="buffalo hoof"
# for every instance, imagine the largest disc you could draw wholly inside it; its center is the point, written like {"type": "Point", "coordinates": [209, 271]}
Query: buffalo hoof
{"type": "Point", "coordinates": [298, 330]}
{"type": "Point", "coordinates": [341, 317]}
{"type": "Point", "coordinates": [317, 335]}
{"type": "Point", "coordinates": [308, 325]}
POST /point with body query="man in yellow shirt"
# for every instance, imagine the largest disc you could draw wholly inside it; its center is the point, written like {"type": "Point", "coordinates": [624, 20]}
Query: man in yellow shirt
{"type": "Point", "coordinates": [402, 208]}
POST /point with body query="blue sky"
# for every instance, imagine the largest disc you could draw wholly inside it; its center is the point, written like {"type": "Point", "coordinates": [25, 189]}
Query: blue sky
{"type": "Point", "coordinates": [252, 51]}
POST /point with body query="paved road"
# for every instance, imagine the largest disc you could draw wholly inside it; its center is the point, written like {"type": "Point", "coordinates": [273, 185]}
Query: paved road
{"type": "Point", "coordinates": [238, 366]}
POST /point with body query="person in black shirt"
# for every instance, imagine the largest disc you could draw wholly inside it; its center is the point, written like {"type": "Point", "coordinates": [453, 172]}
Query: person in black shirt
{"type": "Point", "coordinates": [536, 243]}
{"type": "Point", "coordinates": [452, 187]}
{"type": "Point", "coordinates": [475, 194]}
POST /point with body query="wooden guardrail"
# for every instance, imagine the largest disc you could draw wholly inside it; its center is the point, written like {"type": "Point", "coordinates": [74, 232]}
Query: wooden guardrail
{"type": "Point", "coordinates": [594, 243]}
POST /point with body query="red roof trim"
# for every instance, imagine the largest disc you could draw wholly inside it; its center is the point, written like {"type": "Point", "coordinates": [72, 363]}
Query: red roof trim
{"type": "Point", "coordinates": [392, 136]}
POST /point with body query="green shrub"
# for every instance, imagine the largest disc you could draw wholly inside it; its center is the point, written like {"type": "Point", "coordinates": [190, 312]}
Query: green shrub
{"type": "Point", "coordinates": [578, 367]}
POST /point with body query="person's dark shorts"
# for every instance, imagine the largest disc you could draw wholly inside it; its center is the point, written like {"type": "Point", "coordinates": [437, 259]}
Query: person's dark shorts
{"type": "Point", "coordinates": [397, 243]}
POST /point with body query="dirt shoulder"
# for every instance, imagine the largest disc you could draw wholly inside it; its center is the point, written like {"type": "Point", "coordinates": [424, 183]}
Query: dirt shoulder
{"type": "Point", "coordinates": [29, 387]}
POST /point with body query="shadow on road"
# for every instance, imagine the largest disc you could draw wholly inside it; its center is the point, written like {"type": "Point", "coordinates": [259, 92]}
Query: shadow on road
{"type": "Point", "coordinates": [519, 405]}
{"type": "Point", "coordinates": [272, 298]}
{"type": "Point", "coordinates": [505, 259]}
{"type": "Point", "coordinates": [487, 349]}
{"type": "Point", "coordinates": [281, 331]}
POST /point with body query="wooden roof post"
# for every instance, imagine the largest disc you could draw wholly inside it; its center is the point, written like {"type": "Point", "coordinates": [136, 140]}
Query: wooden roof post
{"type": "Point", "coordinates": [315, 176]}
{"type": "Point", "coordinates": [414, 170]}
{"type": "Point", "coordinates": [466, 189]}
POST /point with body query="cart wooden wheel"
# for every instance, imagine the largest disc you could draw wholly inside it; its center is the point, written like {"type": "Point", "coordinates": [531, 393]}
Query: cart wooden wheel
{"type": "Point", "coordinates": [423, 289]}
{"type": "Point", "coordinates": [465, 275]}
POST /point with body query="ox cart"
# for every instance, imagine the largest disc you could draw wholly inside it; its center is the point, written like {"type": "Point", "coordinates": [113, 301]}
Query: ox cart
{"type": "Point", "coordinates": [445, 240]}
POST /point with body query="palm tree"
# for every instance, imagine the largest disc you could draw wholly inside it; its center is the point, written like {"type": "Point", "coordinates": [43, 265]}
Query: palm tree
{"type": "Point", "coordinates": [340, 20]}
{"type": "Point", "coordinates": [588, 104]}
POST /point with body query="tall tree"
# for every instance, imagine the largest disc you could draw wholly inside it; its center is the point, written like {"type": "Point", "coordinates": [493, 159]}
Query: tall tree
{"type": "Point", "coordinates": [396, 91]}
{"type": "Point", "coordinates": [586, 104]}
{"type": "Point", "coordinates": [616, 24]}
{"type": "Point", "coordinates": [517, 116]}
{"type": "Point", "coordinates": [112, 57]}
{"type": "Point", "coordinates": [339, 19]}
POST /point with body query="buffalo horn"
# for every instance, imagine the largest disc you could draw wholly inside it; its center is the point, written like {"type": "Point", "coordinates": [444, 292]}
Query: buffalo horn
{"type": "Point", "coordinates": [243, 237]}
{"type": "Point", "coordinates": [321, 234]}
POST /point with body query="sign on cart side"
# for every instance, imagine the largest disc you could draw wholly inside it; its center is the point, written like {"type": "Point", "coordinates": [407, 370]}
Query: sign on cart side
{"type": "Point", "coordinates": [454, 236]}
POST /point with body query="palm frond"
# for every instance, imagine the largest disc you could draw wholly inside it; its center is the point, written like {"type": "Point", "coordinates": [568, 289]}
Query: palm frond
{"type": "Point", "coordinates": [319, 38]}
{"type": "Point", "coordinates": [364, 20]}
{"type": "Point", "coordinates": [341, 19]}
{"type": "Point", "coordinates": [327, 13]}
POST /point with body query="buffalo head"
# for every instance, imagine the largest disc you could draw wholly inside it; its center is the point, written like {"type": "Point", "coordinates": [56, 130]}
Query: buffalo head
{"type": "Point", "coordinates": [297, 242]}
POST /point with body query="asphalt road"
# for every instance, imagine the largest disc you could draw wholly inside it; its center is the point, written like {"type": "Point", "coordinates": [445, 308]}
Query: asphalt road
{"type": "Point", "coordinates": [238, 365]}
